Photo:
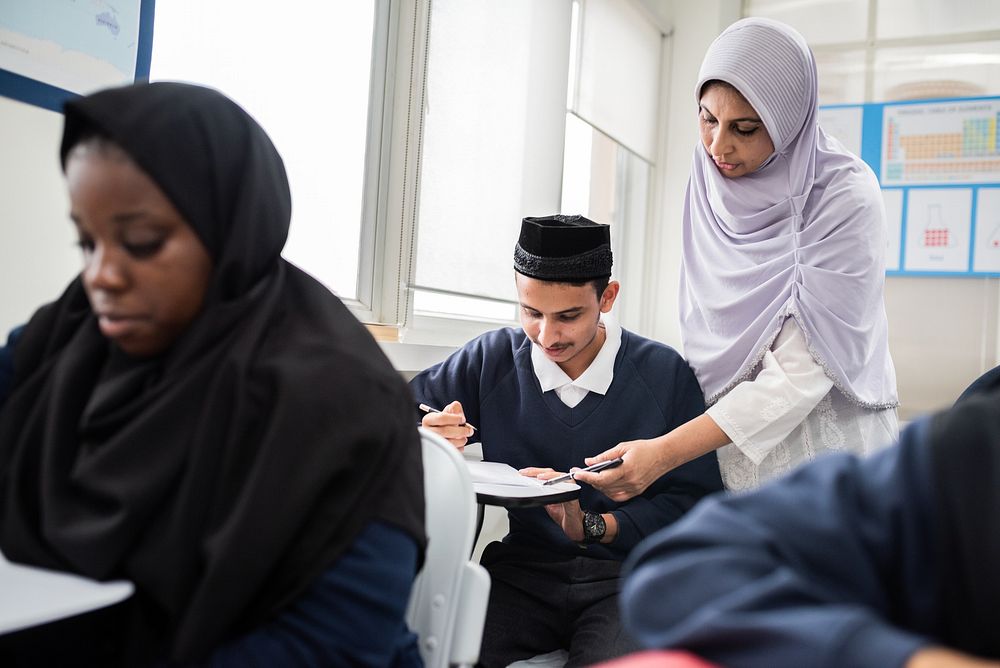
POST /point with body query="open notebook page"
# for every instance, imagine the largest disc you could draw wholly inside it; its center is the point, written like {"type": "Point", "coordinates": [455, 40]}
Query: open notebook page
{"type": "Point", "coordinates": [496, 473]}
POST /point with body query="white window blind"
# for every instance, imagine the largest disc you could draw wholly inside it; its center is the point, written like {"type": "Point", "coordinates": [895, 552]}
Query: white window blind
{"type": "Point", "coordinates": [306, 81]}
{"type": "Point", "coordinates": [619, 74]}
{"type": "Point", "coordinates": [492, 139]}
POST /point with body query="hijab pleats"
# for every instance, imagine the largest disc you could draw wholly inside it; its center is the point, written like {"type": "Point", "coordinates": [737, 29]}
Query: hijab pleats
{"type": "Point", "coordinates": [803, 236]}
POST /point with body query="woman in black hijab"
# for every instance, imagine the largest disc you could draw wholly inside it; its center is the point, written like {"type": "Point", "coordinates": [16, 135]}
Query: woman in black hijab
{"type": "Point", "coordinates": [198, 416]}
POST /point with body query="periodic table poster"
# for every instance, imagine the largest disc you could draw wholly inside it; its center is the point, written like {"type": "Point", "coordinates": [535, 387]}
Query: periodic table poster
{"type": "Point", "coordinates": [938, 162]}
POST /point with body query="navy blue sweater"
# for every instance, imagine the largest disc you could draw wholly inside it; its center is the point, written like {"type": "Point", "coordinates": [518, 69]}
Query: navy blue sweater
{"type": "Point", "coordinates": [653, 391]}
{"type": "Point", "coordinates": [830, 566]}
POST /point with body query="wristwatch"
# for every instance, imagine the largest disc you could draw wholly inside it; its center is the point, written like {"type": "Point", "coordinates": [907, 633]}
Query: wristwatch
{"type": "Point", "coordinates": [593, 527]}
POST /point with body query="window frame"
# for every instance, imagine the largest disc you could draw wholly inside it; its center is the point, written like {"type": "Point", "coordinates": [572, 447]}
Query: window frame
{"type": "Point", "coordinates": [396, 101]}
{"type": "Point", "coordinates": [396, 225]}
{"type": "Point", "coordinates": [872, 43]}
{"type": "Point", "coordinates": [395, 65]}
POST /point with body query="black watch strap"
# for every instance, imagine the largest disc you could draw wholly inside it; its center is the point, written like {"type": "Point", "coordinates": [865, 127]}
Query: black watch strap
{"type": "Point", "coordinates": [594, 527]}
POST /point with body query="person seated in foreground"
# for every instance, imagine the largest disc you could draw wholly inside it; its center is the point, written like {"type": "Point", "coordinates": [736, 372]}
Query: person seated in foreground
{"type": "Point", "coordinates": [198, 416]}
{"type": "Point", "coordinates": [7, 362]}
{"type": "Point", "coordinates": [567, 384]}
{"type": "Point", "coordinates": [987, 382]}
{"type": "Point", "coordinates": [883, 562]}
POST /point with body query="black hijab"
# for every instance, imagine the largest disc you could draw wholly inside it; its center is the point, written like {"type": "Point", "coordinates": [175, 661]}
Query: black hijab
{"type": "Point", "coordinates": [966, 453]}
{"type": "Point", "coordinates": [224, 476]}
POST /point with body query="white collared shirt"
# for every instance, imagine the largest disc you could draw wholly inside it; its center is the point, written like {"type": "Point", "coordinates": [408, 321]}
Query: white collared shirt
{"type": "Point", "coordinates": [596, 378]}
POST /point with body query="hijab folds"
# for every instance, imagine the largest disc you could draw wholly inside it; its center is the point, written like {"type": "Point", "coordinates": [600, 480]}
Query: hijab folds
{"type": "Point", "coordinates": [226, 475]}
{"type": "Point", "coordinates": [803, 236]}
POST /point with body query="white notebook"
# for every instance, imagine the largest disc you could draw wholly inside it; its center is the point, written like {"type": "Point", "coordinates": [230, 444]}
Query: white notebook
{"type": "Point", "coordinates": [503, 480]}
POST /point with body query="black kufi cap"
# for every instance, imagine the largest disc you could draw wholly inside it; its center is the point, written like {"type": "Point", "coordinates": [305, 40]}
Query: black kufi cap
{"type": "Point", "coordinates": [563, 249]}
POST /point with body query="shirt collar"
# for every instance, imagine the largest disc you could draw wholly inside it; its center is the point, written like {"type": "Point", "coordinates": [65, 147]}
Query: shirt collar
{"type": "Point", "coordinates": [596, 378]}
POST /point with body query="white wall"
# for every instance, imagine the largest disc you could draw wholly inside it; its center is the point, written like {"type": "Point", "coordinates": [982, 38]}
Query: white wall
{"type": "Point", "coordinates": [943, 333]}
{"type": "Point", "coordinates": [37, 253]}
{"type": "Point", "coordinates": [696, 24]}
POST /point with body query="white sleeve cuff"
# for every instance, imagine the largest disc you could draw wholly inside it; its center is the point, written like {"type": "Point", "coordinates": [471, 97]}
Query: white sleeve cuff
{"type": "Point", "coordinates": [760, 413]}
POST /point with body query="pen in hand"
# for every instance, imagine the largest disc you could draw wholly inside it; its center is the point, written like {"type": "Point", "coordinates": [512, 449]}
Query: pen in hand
{"type": "Point", "coordinates": [593, 468]}
{"type": "Point", "coordinates": [427, 409]}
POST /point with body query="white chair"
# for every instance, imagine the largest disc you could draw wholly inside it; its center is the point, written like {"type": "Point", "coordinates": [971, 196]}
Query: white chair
{"type": "Point", "coordinates": [32, 596]}
{"type": "Point", "coordinates": [556, 659]}
{"type": "Point", "coordinates": [447, 607]}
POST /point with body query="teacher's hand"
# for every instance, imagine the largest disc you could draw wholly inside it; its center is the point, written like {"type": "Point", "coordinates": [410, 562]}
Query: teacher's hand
{"type": "Point", "coordinates": [642, 463]}
{"type": "Point", "coordinates": [645, 461]}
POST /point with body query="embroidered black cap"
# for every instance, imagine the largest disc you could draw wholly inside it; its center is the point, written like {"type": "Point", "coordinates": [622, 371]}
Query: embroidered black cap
{"type": "Point", "coordinates": [563, 249]}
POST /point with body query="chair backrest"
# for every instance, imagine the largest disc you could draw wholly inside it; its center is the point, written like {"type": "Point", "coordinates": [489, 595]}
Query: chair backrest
{"type": "Point", "coordinates": [447, 607]}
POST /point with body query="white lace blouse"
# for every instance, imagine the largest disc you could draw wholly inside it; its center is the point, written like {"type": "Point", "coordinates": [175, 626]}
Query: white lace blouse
{"type": "Point", "coordinates": [789, 414]}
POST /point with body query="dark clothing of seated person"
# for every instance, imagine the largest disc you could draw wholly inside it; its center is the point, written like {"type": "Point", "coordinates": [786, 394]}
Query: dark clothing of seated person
{"type": "Point", "coordinates": [565, 386]}
{"type": "Point", "coordinates": [198, 416]}
{"type": "Point", "coordinates": [7, 362]}
{"type": "Point", "coordinates": [883, 562]}
{"type": "Point", "coordinates": [986, 383]}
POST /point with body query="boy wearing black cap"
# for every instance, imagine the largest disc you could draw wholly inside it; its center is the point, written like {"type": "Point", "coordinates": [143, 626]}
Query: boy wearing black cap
{"type": "Point", "coordinates": [566, 386]}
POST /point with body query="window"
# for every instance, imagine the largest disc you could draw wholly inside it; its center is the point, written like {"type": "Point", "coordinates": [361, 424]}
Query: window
{"type": "Point", "coordinates": [532, 109]}
{"type": "Point", "coordinates": [887, 50]}
{"type": "Point", "coordinates": [304, 70]}
{"type": "Point", "coordinates": [965, 69]}
{"type": "Point", "coordinates": [418, 134]}
{"type": "Point", "coordinates": [820, 21]}
{"type": "Point", "coordinates": [611, 132]}
{"type": "Point", "coordinates": [491, 150]}
{"type": "Point", "coordinates": [922, 18]}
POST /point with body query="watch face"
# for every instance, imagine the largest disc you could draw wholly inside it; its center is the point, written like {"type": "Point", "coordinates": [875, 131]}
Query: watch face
{"type": "Point", "coordinates": [593, 526]}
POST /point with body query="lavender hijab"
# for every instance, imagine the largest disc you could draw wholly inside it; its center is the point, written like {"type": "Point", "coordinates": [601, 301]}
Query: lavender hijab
{"type": "Point", "coordinates": [803, 236]}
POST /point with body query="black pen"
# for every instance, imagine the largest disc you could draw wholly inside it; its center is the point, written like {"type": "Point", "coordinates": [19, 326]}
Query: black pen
{"type": "Point", "coordinates": [427, 409]}
{"type": "Point", "coordinates": [593, 468]}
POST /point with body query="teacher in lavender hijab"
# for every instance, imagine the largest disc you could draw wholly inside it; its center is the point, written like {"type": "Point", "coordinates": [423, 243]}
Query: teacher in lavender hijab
{"type": "Point", "coordinates": [782, 276]}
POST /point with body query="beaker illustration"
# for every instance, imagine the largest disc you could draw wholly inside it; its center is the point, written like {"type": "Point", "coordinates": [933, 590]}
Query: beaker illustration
{"type": "Point", "coordinates": [936, 233]}
{"type": "Point", "coordinates": [993, 241]}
